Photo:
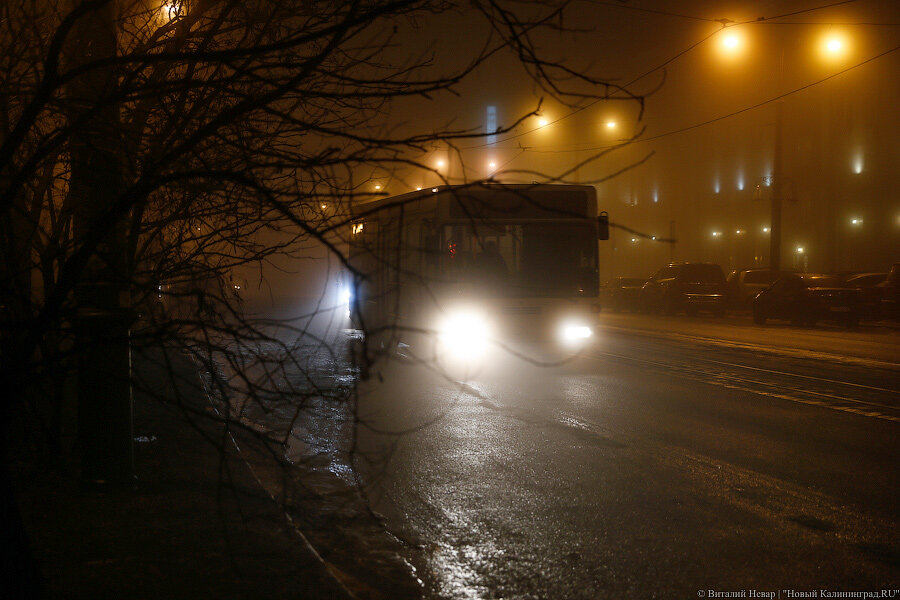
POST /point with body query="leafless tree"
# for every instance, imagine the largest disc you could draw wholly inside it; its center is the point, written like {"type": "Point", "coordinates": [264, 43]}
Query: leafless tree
{"type": "Point", "coordinates": [153, 153]}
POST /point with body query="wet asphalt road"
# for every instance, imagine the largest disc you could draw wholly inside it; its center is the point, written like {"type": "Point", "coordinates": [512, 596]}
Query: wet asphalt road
{"type": "Point", "coordinates": [653, 466]}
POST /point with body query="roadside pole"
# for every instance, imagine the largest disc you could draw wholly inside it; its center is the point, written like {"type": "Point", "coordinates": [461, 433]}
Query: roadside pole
{"type": "Point", "coordinates": [777, 175]}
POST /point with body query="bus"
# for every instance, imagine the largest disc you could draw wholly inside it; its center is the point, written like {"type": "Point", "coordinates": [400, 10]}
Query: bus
{"type": "Point", "coordinates": [474, 266]}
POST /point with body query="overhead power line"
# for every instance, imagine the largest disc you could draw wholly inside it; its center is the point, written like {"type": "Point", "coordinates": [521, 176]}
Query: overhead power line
{"type": "Point", "coordinates": [734, 113]}
{"type": "Point", "coordinates": [725, 23]}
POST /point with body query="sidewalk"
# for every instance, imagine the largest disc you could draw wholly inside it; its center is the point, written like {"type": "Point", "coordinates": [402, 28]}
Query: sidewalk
{"type": "Point", "coordinates": [198, 525]}
{"type": "Point", "coordinates": [873, 343]}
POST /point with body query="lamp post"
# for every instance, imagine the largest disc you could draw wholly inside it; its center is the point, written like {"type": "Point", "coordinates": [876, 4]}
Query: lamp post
{"type": "Point", "coordinates": [833, 48]}
{"type": "Point", "coordinates": [775, 216]}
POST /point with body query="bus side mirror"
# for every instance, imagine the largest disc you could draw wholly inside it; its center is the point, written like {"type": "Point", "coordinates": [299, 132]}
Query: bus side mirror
{"type": "Point", "coordinates": [603, 226]}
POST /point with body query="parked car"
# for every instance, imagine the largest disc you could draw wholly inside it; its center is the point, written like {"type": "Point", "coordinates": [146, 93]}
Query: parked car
{"type": "Point", "coordinates": [805, 299]}
{"type": "Point", "coordinates": [623, 293]}
{"type": "Point", "coordinates": [890, 294]}
{"type": "Point", "coordinates": [743, 286]}
{"type": "Point", "coordinates": [871, 291]}
{"type": "Point", "coordinates": [690, 287]}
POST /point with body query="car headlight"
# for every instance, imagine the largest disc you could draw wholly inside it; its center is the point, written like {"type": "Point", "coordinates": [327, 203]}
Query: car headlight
{"type": "Point", "coordinates": [575, 332]}
{"type": "Point", "coordinates": [465, 333]}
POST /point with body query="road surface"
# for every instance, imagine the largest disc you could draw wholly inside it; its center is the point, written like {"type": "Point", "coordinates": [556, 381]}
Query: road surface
{"type": "Point", "coordinates": [674, 458]}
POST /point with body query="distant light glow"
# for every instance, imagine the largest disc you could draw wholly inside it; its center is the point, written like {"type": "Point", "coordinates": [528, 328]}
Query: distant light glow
{"type": "Point", "coordinates": [731, 42]}
{"type": "Point", "coordinates": [856, 221]}
{"type": "Point", "coordinates": [765, 230]}
{"type": "Point", "coordinates": [739, 231]}
{"type": "Point", "coordinates": [610, 124]}
{"type": "Point", "coordinates": [740, 181]}
{"type": "Point", "coordinates": [542, 122]}
{"type": "Point", "coordinates": [170, 9]}
{"type": "Point", "coordinates": [633, 240]}
{"type": "Point", "coordinates": [858, 164]}
{"type": "Point", "coordinates": [834, 45]}
{"type": "Point", "coordinates": [419, 189]}
{"type": "Point", "coordinates": [490, 124]}
{"type": "Point", "coordinates": [799, 249]}
{"type": "Point", "coordinates": [434, 190]}
{"type": "Point", "coordinates": [492, 165]}
{"type": "Point", "coordinates": [716, 187]}
{"type": "Point", "coordinates": [655, 196]}
{"type": "Point", "coordinates": [716, 233]}
{"type": "Point", "coordinates": [377, 188]}
{"type": "Point", "coordinates": [357, 228]}
{"type": "Point", "coordinates": [440, 164]}
{"type": "Point", "coordinates": [323, 206]}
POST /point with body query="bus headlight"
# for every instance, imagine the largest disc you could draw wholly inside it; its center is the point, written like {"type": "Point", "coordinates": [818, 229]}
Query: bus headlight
{"type": "Point", "coordinates": [573, 333]}
{"type": "Point", "coordinates": [465, 333]}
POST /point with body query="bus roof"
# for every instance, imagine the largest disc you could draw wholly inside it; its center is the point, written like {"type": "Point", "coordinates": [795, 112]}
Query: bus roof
{"type": "Point", "coordinates": [576, 201]}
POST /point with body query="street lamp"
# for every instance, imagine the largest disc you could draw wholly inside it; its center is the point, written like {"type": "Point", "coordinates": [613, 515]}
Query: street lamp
{"type": "Point", "coordinates": [731, 43]}
{"type": "Point", "coordinates": [834, 46]}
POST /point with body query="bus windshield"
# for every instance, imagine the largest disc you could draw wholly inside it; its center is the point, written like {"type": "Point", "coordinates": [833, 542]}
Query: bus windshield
{"type": "Point", "coordinates": [532, 259]}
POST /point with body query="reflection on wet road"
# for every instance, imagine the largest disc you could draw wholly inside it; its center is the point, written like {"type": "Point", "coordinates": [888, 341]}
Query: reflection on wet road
{"type": "Point", "coordinates": [648, 467]}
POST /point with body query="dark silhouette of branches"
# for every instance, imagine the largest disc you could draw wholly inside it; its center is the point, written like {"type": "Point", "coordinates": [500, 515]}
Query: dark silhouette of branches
{"type": "Point", "coordinates": [234, 137]}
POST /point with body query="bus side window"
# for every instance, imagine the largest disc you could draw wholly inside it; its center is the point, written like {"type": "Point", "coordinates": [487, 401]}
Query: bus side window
{"type": "Point", "coordinates": [432, 249]}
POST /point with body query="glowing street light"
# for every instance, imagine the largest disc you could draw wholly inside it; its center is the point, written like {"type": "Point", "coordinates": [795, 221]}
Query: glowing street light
{"type": "Point", "coordinates": [856, 221]}
{"type": "Point", "coordinates": [731, 43]}
{"type": "Point", "coordinates": [799, 249]}
{"type": "Point", "coordinates": [834, 46]}
{"type": "Point", "coordinates": [440, 163]}
{"type": "Point", "coordinates": [543, 122]}
{"type": "Point", "coordinates": [611, 124]}
{"type": "Point", "coordinates": [716, 234]}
